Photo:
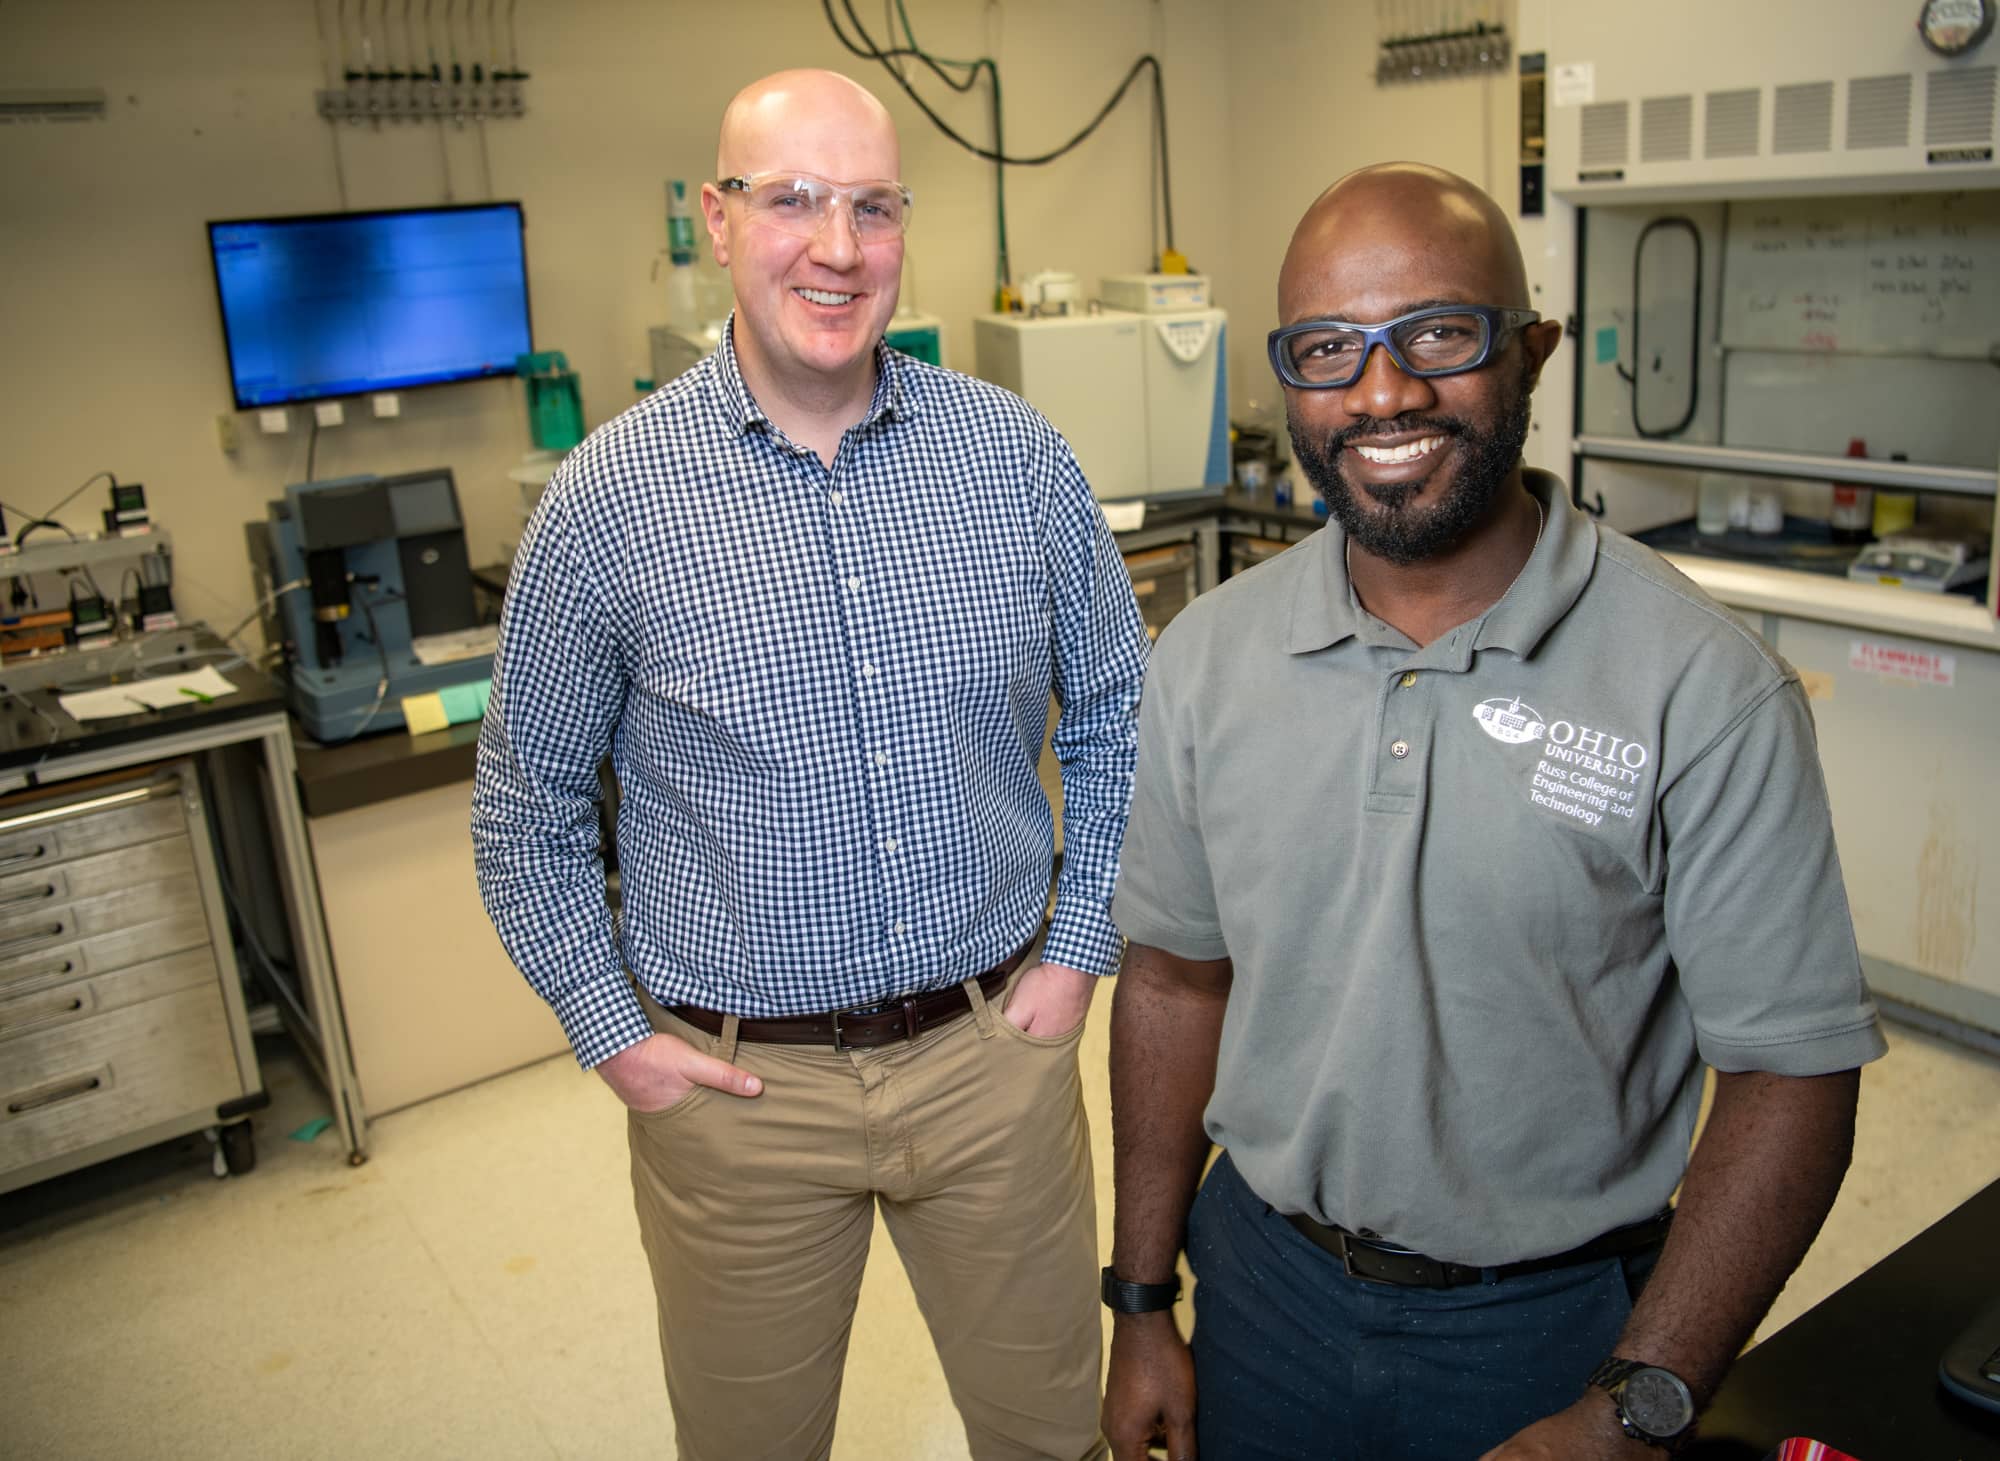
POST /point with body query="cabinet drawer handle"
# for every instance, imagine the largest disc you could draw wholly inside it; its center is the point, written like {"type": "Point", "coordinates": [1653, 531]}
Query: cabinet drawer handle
{"type": "Point", "coordinates": [69, 811]}
{"type": "Point", "coordinates": [27, 895]}
{"type": "Point", "coordinates": [12, 859]}
{"type": "Point", "coordinates": [28, 975]}
{"type": "Point", "coordinates": [53, 1093]}
{"type": "Point", "coordinates": [26, 1016]}
{"type": "Point", "coordinates": [29, 942]}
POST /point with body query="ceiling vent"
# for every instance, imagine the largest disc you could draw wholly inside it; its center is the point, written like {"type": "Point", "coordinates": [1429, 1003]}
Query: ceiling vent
{"type": "Point", "coordinates": [1666, 129]}
{"type": "Point", "coordinates": [1878, 112]}
{"type": "Point", "coordinates": [1731, 123]}
{"type": "Point", "coordinates": [1802, 118]}
{"type": "Point", "coordinates": [1958, 106]}
{"type": "Point", "coordinates": [1606, 141]}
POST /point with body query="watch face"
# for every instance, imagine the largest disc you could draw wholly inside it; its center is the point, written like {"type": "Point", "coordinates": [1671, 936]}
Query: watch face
{"type": "Point", "coordinates": [1953, 27]}
{"type": "Point", "coordinates": [1656, 1402]}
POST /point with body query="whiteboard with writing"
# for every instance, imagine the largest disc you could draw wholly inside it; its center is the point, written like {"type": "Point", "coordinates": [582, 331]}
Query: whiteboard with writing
{"type": "Point", "coordinates": [1902, 274]}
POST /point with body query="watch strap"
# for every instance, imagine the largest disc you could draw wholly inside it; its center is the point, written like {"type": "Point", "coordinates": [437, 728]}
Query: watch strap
{"type": "Point", "coordinates": [1611, 1376]}
{"type": "Point", "coordinates": [1607, 1375]}
{"type": "Point", "coordinates": [1122, 1296]}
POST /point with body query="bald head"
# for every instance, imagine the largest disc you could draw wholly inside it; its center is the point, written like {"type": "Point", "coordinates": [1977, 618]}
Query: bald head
{"type": "Point", "coordinates": [1394, 237]}
{"type": "Point", "coordinates": [815, 121]}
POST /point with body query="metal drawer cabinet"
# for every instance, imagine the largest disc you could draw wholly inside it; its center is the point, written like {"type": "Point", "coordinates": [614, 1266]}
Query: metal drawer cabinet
{"type": "Point", "coordinates": [1164, 581]}
{"type": "Point", "coordinates": [34, 837]}
{"type": "Point", "coordinates": [122, 1020]}
{"type": "Point", "coordinates": [1246, 553]}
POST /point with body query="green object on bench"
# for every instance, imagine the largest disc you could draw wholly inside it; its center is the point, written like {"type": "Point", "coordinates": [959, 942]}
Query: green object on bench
{"type": "Point", "coordinates": [555, 402]}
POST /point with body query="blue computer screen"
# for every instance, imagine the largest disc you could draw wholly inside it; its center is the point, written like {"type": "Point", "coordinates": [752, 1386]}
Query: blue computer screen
{"type": "Point", "coordinates": [341, 304]}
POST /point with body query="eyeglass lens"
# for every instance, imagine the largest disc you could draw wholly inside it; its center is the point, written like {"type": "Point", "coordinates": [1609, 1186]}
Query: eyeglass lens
{"type": "Point", "coordinates": [1333, 356]}
{"type": "Point", "coordinates": [801, 205]}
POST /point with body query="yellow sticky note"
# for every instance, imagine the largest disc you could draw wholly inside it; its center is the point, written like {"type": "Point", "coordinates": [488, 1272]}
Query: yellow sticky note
{"type": "Point", "coordinates": [424, 713]}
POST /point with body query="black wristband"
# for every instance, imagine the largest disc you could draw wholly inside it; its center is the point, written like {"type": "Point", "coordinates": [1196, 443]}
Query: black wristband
{"type": "Point", "coordinates": [1124, 1297]}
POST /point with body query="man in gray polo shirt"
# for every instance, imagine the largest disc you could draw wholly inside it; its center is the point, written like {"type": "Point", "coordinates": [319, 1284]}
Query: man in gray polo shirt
{"type": "Point", "coordinates": [1465, 833]}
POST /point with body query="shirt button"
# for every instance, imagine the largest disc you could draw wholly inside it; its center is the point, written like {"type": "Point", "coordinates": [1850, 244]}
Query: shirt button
{"type": "Point", "coordinates": [854, 584]}
{"type": "Point", "coordinates": [881, 758]}
{"type": "Point", "coordinates": [897, 927]}
{"type": "Point", "coordinates": [888, 844]}
{"type": "Point", "coordinates": [868, 672]}
{"type": "Point", "coordinates": [1409, 679]}
{"type": "Point", "coordinates": [1399, 749]}
{"type": "Point", "coordinates": [837, 498]}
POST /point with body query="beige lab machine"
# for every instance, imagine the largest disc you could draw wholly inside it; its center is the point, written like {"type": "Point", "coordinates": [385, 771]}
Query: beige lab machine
{"type": "Point", "coordinates": [1143, 398]}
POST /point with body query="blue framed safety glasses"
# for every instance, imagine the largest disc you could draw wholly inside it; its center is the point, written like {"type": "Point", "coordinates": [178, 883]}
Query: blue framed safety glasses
{"type": "Point", "coordinates": [1322, 355]}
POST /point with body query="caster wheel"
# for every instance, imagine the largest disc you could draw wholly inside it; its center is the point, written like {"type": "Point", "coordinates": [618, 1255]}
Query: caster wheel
{"type": "Point", "coordinates": [239, 1148]}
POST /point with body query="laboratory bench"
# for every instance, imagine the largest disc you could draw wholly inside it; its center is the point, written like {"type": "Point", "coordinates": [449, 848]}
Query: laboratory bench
{"type": "Point", "coordinates": [127, 844]}
{"type": "Point", "coordinates": [1905, 692]}
{"type": "Point", "coordinates": [124, 842]}
{"type": "Point", "coordinates": [431, 1000]}
{"type": "Point", "coordinates": [1859, 1370]}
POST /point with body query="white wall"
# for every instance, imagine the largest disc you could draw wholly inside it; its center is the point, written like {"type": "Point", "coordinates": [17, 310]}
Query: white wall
{"type": "Point", "coordinates": [113, 349]}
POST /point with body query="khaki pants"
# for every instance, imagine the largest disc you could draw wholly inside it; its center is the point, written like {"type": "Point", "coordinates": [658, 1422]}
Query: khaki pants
{"type": "Point", "coordinates": [756, 1216]}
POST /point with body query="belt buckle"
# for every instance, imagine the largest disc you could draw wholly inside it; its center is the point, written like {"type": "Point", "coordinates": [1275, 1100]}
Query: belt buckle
{"type": "Point", "coordinates": [908, 1005]}
{"type": "Point", "coordinates": [1341, 1236]}
{"type": "Point", "coordinates": [859, 1009]}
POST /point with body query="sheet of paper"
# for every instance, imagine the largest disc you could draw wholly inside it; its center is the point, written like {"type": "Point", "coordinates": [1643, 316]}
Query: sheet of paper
{"type": "Point", "coordinates": [442, 649]}
{"type": "Point", "coordinates": [1124, 517]}
{"type": "Point", "coordinates": [1575, 84]}
{"type": "Point", "coordinates": [159, 692]}
{"type": "Point", "coordinates": [424, 713]}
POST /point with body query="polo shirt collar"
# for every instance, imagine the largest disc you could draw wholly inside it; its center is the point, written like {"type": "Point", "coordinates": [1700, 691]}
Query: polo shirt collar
{"type": "Point", "coordinates": [892, 398]}
{"type": "Point", "coordinates": [1553, 578]}
{"type": "Point", "coordinates": [1326, 612]}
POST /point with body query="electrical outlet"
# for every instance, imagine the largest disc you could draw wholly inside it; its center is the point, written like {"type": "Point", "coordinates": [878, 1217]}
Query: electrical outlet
{"type": "Point", "coordinates": [225, 432]}
{"type": "Point", "coordinates": [388, 403]}
{"type": "Point", "coordinates": [274, 421]}
{"type": "Point", "coordinates": [329, 413]}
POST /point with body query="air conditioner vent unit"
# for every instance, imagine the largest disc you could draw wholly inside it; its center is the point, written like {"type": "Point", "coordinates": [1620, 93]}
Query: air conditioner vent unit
{"type": "Point", "coordinates": [1666, 129]}
{"type": "Point", "coordinates": [1732, 120]}
{"type": "Point", "coordinates": [1802, 118]}
{"type": "Point", "coordinates": [1878, 112]}
{"type": "Point", "coordinates": [1958, 107]}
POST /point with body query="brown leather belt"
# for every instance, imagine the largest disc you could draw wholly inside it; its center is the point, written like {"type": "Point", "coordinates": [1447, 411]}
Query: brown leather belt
{"type": "Point", "coordinates": [868, 1027]}
{"type": "Point", "coordinates": [1381, 1262]}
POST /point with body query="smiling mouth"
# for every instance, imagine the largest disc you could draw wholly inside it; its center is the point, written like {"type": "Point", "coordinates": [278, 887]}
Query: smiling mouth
{"type": "Point", "coordinates": [1408, 451]}
{"type": "Point", "coordinates": [824, 296]}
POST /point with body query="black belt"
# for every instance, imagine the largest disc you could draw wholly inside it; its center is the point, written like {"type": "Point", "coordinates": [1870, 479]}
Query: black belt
{"type": "Point", "coordinates": [1381, 1262]}
{"type": "Point", "coordinates": [868, 1027]}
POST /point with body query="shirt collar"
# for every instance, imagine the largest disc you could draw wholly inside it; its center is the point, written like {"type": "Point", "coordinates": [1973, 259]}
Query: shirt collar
{"type": "Point", "coordinates": [894, 389]}
{"type": "Point", "coordinates": [1325, 610]}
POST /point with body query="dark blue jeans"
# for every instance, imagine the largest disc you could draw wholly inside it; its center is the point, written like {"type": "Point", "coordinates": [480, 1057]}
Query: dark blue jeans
{"type": "Point", "coordinates": [1296, 1361]}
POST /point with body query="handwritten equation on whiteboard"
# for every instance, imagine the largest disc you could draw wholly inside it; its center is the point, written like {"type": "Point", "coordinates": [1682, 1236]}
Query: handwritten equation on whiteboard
{"type": "Point", "coordinates": [1907, 274]}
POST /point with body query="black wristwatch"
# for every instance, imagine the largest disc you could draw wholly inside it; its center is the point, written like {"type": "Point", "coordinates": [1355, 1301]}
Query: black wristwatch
{"type": "Point", "coordinates": [1654, 1405]}
{"type": "Point", "coordinates": [1123, 1297]}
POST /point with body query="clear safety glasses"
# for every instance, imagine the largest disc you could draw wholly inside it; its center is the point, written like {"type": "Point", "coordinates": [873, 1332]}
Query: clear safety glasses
{"type": "Point", "coordinates": [800, 203]}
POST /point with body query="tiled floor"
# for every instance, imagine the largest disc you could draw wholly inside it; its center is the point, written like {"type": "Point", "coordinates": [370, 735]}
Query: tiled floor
{"type": "Point", "coordinates": [477, 1288]}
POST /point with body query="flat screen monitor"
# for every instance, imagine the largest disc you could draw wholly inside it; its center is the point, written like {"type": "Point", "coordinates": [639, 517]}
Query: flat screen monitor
{"type": "Point", "coordinates": [340, 304]}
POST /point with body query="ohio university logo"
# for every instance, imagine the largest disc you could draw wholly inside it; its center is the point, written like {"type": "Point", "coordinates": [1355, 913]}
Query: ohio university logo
{"type": "Point", "coordinates": [1582, 774]}
{"type": "Point", "coordinates": [1509, 720]}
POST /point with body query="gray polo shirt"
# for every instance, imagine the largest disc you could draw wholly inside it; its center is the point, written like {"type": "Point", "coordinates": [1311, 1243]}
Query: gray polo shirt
{"type": "Point", "coordinates": [1489, 902]}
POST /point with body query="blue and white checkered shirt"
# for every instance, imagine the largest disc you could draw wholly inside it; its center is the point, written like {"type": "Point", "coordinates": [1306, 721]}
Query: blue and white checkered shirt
{"type": "Point", "coordinates": [824, 693]}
